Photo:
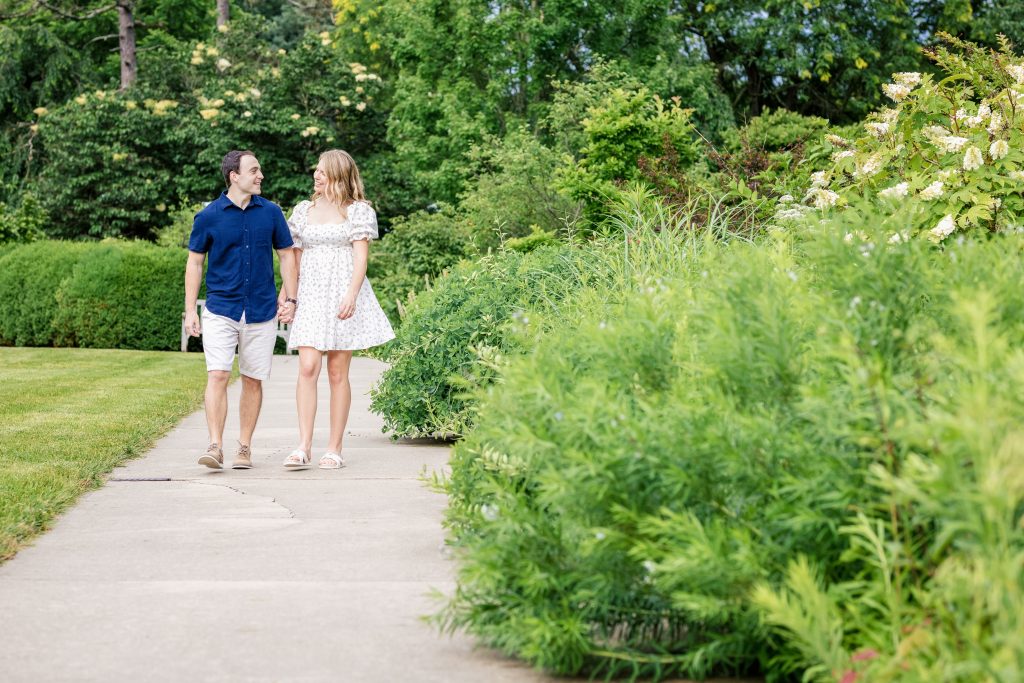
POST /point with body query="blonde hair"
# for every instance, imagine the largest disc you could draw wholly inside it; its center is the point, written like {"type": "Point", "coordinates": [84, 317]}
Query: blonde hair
{"type": "Point", "coordinates": [344, 184]}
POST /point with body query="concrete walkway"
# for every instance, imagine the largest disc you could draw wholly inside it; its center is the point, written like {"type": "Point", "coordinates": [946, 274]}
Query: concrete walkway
{"type": "Point", "coordinates": [259, 575]}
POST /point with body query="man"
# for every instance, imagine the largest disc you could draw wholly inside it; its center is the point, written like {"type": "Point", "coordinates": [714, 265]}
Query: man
{"type": "Point", "coordinates": [237, 231]}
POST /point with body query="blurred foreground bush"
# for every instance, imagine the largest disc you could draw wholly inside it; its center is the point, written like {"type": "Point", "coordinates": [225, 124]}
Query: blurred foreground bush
{"type": "Point", "coordinates": [795, 457]}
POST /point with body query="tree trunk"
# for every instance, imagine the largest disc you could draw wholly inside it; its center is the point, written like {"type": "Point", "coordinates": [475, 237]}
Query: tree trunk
{"type": "Point", "coordinates": [126, 38]}
{"type": "Point", "coordinates": [223, 12]}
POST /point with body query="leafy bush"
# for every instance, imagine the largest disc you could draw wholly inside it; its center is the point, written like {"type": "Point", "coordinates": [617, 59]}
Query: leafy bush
{"type": "Point", "coordinates": [177, 233]}
{"type": "Point", "coordinates": [512, 192]}
{"type": "Point", "coordinates": [30, 276]}
{"type": "Point", "coordinates": [418, 248]}
{"type": "Point", "coordinates": [946, 158]}
{"type": "Point", "coordinates": [453, 332]}
{"type": "Point", "coordinates": [622, 128]}
{"type": "Point", "coordinates": [123, 295]}
{"type": "Point", "coordinates": [23, 223]}
{"type": "Point", "coordinates": [656, 462]}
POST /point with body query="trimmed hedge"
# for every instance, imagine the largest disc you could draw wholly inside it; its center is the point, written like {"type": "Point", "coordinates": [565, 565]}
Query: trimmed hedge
{"type": "Point", "coordinates": [30, 276]}
{"type": "Point", "coordinates": [101, 295]}
{"type": "Point", "coordinates": [125, 295]}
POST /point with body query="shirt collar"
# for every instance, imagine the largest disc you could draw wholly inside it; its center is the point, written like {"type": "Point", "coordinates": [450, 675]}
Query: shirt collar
{"type": "Point", "coordinates": [225, 202]}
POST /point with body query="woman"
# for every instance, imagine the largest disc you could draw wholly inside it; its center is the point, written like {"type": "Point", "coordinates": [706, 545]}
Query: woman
{"type": "Point", "coordinates": [336, 311]}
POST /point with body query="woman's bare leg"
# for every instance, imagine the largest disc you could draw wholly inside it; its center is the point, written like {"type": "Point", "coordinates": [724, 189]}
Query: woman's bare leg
{"type": "Point", "coordinates": [338, 363]}
{"type": "Point", "coordinates": [310, 361]}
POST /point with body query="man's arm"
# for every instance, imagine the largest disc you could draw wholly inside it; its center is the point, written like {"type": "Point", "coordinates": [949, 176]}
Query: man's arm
{"type": "Point", "coordinates": [193, 278]}
{"type": "Point", "coordinates": [289, 283]}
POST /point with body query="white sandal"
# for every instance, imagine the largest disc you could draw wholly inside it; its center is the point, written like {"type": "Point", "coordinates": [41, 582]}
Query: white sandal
{"type": "Point", "coordinates": [297, 460]}
{"type": "Point", "coordinates": [331, 461]}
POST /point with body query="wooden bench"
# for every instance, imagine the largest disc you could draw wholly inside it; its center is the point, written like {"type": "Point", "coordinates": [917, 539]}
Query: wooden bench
{"type": "Point", "coordinates": [282, 328]}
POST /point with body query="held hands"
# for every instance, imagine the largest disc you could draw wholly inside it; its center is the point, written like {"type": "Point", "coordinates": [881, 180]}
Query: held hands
{"type": "Point", "coordinates": [285, 311]}
{"type": "Point", "coordinates": [347, 308]}
{"type": "Point", "coordinates": [192, 323]}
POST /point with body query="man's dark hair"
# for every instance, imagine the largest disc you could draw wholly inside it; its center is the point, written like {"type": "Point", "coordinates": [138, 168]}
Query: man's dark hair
{"type": "Point", "coordinates": [232, 163]}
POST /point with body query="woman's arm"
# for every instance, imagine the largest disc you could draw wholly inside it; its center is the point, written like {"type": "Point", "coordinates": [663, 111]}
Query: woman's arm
{"type": "Point", "coordinates": [360, 254]}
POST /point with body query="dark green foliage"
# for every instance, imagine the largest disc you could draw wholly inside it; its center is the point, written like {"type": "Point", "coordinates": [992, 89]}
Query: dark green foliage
{"type": "Point", "coordinates": [109, 168]}
{"type": "Point", "coordinates": [113, 164]}
{"type": "Point", "coordinates": [453, 333]}
{"type": "Point", "coordinates": [30, 276]}
{"type": "Point", "coordinates": [122, 295]}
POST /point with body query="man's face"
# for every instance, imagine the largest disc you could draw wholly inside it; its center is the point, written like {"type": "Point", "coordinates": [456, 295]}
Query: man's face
{"type": "Point", "coordinates": [249, 177]}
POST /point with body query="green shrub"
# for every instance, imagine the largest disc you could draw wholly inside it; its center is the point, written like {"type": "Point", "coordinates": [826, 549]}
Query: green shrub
{"type": "Point", "coordinates": [453, 332]}
{"type": "Point", "coordinates": [512, 192]}
{"type": "Point", "coordinates": [30, 276]}
{"type": "Point", "coordinates": [124, 295]}
{"type": "Point", "coordinates": [23, 223]}
{"type": "Point", "coordinates": [776, 131]}
{"type": "Point", "coordinates": [177, 233]}
{"type": "Point", "coordinates": [642, 478]}
{"type": "Point", "coordinates": [622, 128]}
{"type": "Point", "coordinates": [418, 248]}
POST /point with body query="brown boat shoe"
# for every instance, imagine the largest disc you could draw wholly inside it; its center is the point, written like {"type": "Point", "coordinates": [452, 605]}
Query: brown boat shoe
{"type": "Point", "coordinates": [243, 458]}
{"type": "Point", "coordinates": [213, 457]}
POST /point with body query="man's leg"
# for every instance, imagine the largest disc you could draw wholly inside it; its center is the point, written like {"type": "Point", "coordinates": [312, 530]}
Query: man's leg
{"type": "Point", "coordinates": [249, 408]}
{"type": "Point", "coordinates": [216, 402]}
{"type": "Point", "coordinates": [255, 355]}
{"type": "Point", "coordinates": [220, 337]}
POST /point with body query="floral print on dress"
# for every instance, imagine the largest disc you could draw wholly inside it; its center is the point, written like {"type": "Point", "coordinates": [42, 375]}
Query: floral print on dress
{"type": "Point", "coordinates": [325, 273]}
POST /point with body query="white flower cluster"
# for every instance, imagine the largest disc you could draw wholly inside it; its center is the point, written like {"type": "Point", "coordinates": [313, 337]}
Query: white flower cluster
{"type": "Point", "coordinates": [907, 78]}
{"type": "Point", "coordinates": [896, 91]}
{"type": "Point", "coordinates": [878, 129]}
{"type": "Point", "coordinates": [823, 199]}
{"type": "Point", "coordinates": [869, 167]}
{"type": "Point", "coordinates": [933, 191]}
{"type": "Point", "coordinates": [944, 228]}
{"type": "Point", "coordinates": [896, 191]}
{"type": "Point", "coordinates": [973, 159]}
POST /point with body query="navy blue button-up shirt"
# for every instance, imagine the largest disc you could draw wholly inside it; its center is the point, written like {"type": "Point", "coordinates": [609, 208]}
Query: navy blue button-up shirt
{"type": "Point", "coordinates": [240, 262]}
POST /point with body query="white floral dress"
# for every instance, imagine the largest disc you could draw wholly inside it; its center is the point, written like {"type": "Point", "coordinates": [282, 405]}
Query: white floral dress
{"type": "Point", "coordinates": [325, 274]}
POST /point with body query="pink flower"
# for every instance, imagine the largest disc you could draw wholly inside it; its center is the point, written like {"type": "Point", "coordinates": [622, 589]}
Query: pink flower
{"type": "Point", "coordinates": [850, 676]}
{"type": "Point", "coordinates": [864, 655]}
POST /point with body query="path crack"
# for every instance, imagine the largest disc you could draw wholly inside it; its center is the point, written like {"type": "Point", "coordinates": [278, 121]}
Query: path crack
{"type": "Point", "coordinates": [291, 513]}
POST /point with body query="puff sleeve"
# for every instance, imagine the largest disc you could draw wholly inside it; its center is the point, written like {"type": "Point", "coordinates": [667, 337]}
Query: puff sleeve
{"type": "Point", "coordinates": [296, 222]}
{"type": "Point", "coordinates": [362, 222]}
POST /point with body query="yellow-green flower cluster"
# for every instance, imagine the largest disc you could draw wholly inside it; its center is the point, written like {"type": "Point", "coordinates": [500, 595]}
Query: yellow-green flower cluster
{"type": "Point", "coordinates": [160, 107]}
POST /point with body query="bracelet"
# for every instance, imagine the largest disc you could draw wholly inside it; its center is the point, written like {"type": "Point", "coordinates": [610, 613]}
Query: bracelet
{"type": "Point", "coordinates": [292, 301]}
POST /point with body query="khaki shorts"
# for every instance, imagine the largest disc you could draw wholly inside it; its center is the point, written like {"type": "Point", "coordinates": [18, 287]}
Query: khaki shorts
{"type": "Point", "coordinates": [255, 344]}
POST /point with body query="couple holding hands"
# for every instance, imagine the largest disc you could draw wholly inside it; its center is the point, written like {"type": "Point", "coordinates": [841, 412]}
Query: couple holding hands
{"type": "Point", "coordinates": [323, 249]}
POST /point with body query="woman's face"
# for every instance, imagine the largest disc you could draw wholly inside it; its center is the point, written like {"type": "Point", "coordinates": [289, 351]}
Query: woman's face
{"type": "Point", "coordinates": [319, 178]}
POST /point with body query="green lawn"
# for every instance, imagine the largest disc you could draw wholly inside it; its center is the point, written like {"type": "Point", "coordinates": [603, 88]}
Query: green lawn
{"type": "Point", "coordinates": [69, 416]}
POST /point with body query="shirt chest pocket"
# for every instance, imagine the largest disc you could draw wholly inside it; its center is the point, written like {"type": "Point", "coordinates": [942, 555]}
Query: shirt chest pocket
{"type": "Point", "coordinates": [262, 237]}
